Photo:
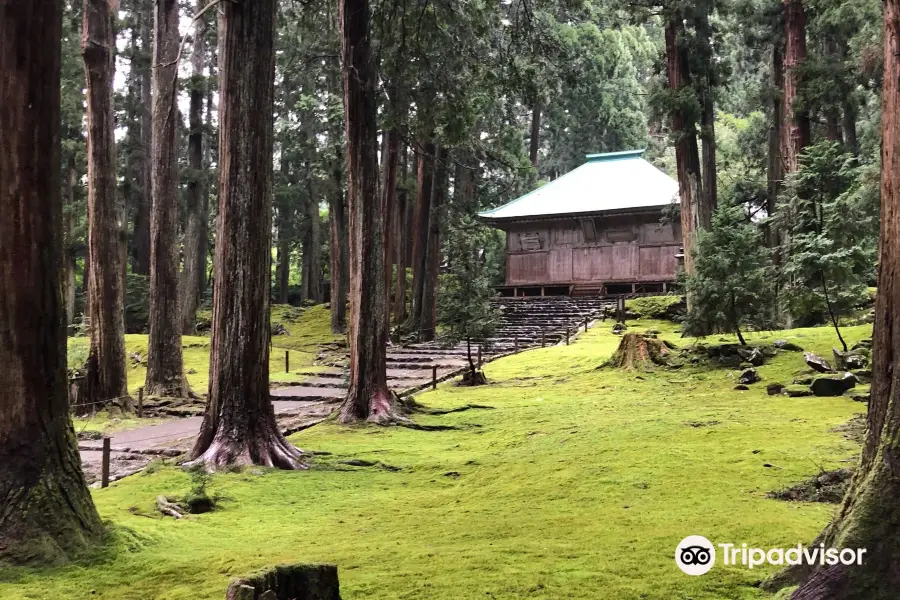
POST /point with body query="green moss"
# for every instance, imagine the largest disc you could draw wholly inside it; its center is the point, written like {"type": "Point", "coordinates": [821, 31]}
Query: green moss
{"type": "Point", "coordinates": [651, 307]}
{"type": "Point", "coordinates": [579, 484]}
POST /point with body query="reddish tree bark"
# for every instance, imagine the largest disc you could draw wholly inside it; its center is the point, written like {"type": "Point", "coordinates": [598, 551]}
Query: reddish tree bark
{"type": "Point", "coordinates": [391, 154]}
{"type": "Point", "coordinates": [239, 424]}
{"type": "Point", "coordinates": [707, 116]}
{"type": "Point", "coordinates": [165, 368]}
{"type": "Point", "coordinates": [686, 152]}
{"type": "Point", "coordinates": [368, 397]}
{"type": "Point", "coordinates": [796, 134]}
{"type": "Point", "coordinates": [401, 245]}
{"type": "Point", "coordinates": [870, 512]}
{"type": "Point", "coordinates": [337, 239]}
{"type": "Point", "coordinates": [141, 233]}
{"type": "Point", "coordinates": [433, 250]}
{"type": "Point", "coordinates": [421, 221]}
{"type": "Point", "coordinates": [192, 274]}
{"type": "Point", "coordinates": [106, 375]}
{"type": "Point", "coordinates": [46, 512]}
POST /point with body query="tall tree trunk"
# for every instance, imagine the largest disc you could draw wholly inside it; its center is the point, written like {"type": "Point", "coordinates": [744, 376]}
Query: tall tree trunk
{"type": "Point", "coordinates": [192, 274]}
{"type": "Point", "coordinates": [775, 173]}
{"type": "Point", "coordinates": [239, 424]}
{"type": "Point", "coordinates": [165, 368]}
{"type": "Point", "coordinates": [433, 250]}
{"type": "Point", "coordinates": [208, 183]}
{"type": "Point", "coordinates": [46, 512]}
{"type": "Point", "coordinates": [391, 155]}
{"type": "Point", "coordinates": [686, 152]}
{"type": "Point", "coordinates": [106, 376]}
{"type": "Point", "coordinates": [313, 244]}
{"type": "Point", "coordinates": [285, 233]}
{"type": "Point", "coordinates": [401, 243]}
{"type": "Point", "coordinates": [707, 117]}
{"type": "Point", "coordinates": [535, 144]}
{"type": "Point", "coordinates": [421, 220]}
{"type": "Point", "coordinates": [337, 239]}
{"type": "Point", "coordinates": [870, 511]}
{"type": "Point", "coordinates": [69, 252]}
{"type": "Point", "coordinates": [796, 133]}
{"type": "Point", "coordinates": [141, 233]}
{"type": "Point", "coordinates": [368, 397]}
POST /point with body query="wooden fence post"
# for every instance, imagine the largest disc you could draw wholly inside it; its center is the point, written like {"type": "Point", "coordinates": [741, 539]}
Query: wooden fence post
{"type": "Point", "coordinates": [287, 361]}
{"type": "Point", "coordinates": [104, 472]}
{"type": "Point", "coordinates": [434, 377]}
{"type": "Point", "coordinates": [140, 406]}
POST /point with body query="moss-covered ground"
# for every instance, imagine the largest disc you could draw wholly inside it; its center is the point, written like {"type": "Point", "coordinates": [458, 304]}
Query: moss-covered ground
{"type": "Point", "coordinates": [578, 484]}
{"type": "Point", "coordinates": [308, 328]}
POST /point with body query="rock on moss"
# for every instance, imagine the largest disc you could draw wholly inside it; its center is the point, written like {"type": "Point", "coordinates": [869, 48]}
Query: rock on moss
{"type": "Point", "coordinates": [797, 391]}
{"type": "Point", "coordinates": [832, 386]}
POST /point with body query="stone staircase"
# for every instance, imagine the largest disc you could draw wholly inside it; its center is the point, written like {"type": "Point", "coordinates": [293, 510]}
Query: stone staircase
{"type": "Point", "coordinates": [524, 323]}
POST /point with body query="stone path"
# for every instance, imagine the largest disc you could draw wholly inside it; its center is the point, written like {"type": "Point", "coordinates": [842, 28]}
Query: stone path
{"type": "Point", "coordinates": [524, 323]}
{"type": "Point", "coordinates": [131, 450]}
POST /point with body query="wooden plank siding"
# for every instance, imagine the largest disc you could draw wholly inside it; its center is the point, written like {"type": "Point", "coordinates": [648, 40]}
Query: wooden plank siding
{"type": "Point", "coordinates": [625, 249]}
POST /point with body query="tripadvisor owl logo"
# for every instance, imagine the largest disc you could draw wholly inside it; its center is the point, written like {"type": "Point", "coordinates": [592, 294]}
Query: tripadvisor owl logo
{"type": "Point", "coordinates": [695, 555]}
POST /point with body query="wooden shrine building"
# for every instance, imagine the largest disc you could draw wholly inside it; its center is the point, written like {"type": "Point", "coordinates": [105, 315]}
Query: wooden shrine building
{"type": "Point", "coordinates": [594, 231]}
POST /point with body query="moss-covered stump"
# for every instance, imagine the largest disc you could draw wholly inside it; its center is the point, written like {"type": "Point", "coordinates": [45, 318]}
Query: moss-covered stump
{"type": "Point", "coordinates": [288, 582]}
{"type": "Point", "coordinates": [638, 351]}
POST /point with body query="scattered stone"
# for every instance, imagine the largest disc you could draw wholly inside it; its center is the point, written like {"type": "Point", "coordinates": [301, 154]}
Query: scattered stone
{"type": "Point", "coordinates": [192, 371]}
{"type": "Point", "coordinates": [864, 375]}
{"type": "Point", "coordinates": [832, 386]}
{"type": "Point", "coordinates": [860, 396]}
{"type": "Point", "coordinates": [803, 380]}
{"type": "Point", "coordinates": [741, 387]}
{"type": "Point", "coordinates": [754, 356]}
{"type": "Point", "coordinates": [619, 328]}
{"type": "Point", "coordinates": [849, 360]}
{"type": "Point", "coordinates": [749, 376]}
{"type": "Point", "coordinates": [453, 474]}
{"type": "Point", "coordinates": [861, 344]}
{"type": "Point", "coordinates": [787, 346]}
{"type": "Point", "coordinates": [280, 329]}
{"type": "Point", "coordinates": [817, 363]}
{"type": "Point", "coordinates": [828, 486]}
{"type": "Point", "coordinates": [797, 391]}
{"type": "Point", "coordinates": [774, 389]}
{"type": "Point", "coordinates": [653, 332]}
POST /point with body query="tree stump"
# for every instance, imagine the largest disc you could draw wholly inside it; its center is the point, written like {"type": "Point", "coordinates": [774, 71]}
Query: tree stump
{"type": "Point", "coordinates": [638, 351]}
{"type": "Point", "coordinates": [288, 582]}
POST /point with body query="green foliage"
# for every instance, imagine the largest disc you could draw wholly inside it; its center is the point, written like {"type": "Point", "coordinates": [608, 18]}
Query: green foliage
{"type": "Point", "coordinates": [464, 306]}
{"type": "Point", "coordinates": [833, 246]}
{"type": "Point", "coordinates": [733, 283]}
{"type": "Point", "coordinates": [652, 307]}
{"type": "Point", "coordinates": [137, 303]}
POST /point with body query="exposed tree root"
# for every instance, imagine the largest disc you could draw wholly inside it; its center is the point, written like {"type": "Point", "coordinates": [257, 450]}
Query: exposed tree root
{"type": "Point", "coordinates": [356, 462]}
{"type": "Point", "coordinates": [168, 508]}
{"type": "Point", "coordinates": [266, 451]}
{"type": "Point", "coordinates": [438, 411]}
